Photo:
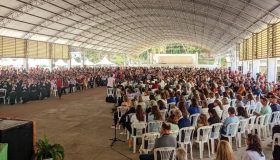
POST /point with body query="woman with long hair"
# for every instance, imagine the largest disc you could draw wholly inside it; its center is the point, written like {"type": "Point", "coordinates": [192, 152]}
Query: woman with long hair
{"type": "Point", "coordinates": [182, 108]}
{"type": "Point", "coordinates": [224, 151]}
{"type": "Point", "coordinates": [155, 114]}
{"type": "Point", "coordinates": [194, 107]}
{"type": "Point", "coordinates": [254, 150]}
{"type": "Point", "coordinates": [139, 116]}
{"type": "Point", "coordinates": [218, 107]}
{"type": "Point", "coordinates": [214, 118]}
{"type": "Point", "coordinates": [242, 113]}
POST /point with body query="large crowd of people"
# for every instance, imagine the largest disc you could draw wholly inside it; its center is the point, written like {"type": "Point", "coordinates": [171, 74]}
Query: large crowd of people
{"type": "Point", "coordinates": [22, 86]}
{"type": "Point", "coordinates": [217, 95]}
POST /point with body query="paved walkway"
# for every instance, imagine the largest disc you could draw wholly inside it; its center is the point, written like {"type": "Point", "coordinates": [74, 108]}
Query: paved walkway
{"type": "Point", "coordinates": [81, 123]}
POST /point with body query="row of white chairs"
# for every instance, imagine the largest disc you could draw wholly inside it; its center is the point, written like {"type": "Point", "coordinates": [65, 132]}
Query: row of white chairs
{"type": "Point", "coordinates": [261, 124]}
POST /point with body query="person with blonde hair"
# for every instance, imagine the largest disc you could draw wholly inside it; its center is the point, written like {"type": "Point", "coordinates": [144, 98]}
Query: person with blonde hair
{"type": "Point", "coordinates": [181, 154]}
{"type": "Point", "coordinates": [224, 151]}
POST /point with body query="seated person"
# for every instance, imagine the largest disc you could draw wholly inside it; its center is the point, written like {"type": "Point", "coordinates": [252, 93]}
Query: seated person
{"type": "Point", "coordinates": [166, 140]}
{"type": "Point", "coordinates": [181, 121]}
{"type": "Point", "coordinates": [214, 118]}
{"type": "Point", "coordinates": [173, 123]}
{"type": "Point", "coordinates": [194, 107]}
{"type": "Point", "coordinates": [231, 119]}
{"type": "Point", "coordinates": [274, 105]}
{"type": "Point", "coordinates": [265, 109]}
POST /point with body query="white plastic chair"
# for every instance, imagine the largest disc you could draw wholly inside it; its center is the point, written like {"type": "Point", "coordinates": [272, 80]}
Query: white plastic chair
{"type": "Point", "coordinates": [154, 126]}
{"type": "Point", "coordinates": [242, 130]}
{"type": "Point", "coordinates": [165, 153]}
{"type": "Point", "coordinates": [128, 117]}
{"type": "Point", "coordinates": [148, 142]}
{"type": "Point", "coordinates": [194, 118]}
{"type": "Point", "coordinates": [110, 92]}
{"type": "Point", "coordinates": [233, 102]}
{"type": "Point", "coordinates": [232, 129]}
{"type": "Point", "coordinates": [121, 111]}
{"type": "Point", "coordinates": [251, 124]}
{"type": "Point", "coordinates": [3, 93]}
{"type": "Point", "coordinates": [251, 110]}
{"type": "Point", "coordinates": [138, 129]}
{"type": "Point", "coordinates": [266, 123]}
{"type": "Point", "coordinates": [185, 138]}
{"type": "Point", "coordinates": [118, 95]}
{"type": "Point", "coordinates": [216, 134]}
{"type": "Point", "coordinates": [163, 114]}
{"type": "Point", "coordinates": [259, 125]}
{"type": "Point", "coordinates": [204, 138]}
{"type": "Point", "coordinates": [275, 136]}
{"type": "Point", "coordinates": [275, 117]}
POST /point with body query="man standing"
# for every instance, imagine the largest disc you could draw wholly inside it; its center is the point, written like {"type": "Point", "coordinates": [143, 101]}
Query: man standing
{"type": "Point", "coordinates": [111, 82]}
{"type": "Point", "coordinates": [59, 85]}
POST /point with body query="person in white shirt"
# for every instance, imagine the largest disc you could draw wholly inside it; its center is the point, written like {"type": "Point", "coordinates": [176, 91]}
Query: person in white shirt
{"type": "Point", "coordinates": [111, 82]}
{"type": "Point", "coordinates": [254, 150]}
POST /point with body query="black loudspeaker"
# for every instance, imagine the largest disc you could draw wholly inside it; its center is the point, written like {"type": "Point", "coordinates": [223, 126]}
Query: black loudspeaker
{"type": "Point", "coordinates": [19, 136]}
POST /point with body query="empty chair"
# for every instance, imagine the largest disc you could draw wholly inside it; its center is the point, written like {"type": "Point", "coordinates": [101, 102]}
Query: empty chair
{"type": "Point", "coordinates": [204, 138]}
{"type": "Point", "coordinates": [148, 142]}
{"type": "Point", "coordinates": [275, 136]}
{"type": "Point", "coordinates": [138, 129]}
{"type": "Point", "coordinates": [231, 132]}
{"type": "Point", "coordinates": [121, 111]}
{"type": "Point", "coordinates": [154, 126]}
{"type": "Point", "coordinates": [185, 138]}
{"type": "Point", "coordinates": [3, 93]}
{"type": "Point", "coordinates": [194, 118]}
{"type": "Point", "coordinates": [251, 122]}
{"type": "Point", "coordinates": [163, 114]}
{"type": "Point", "coordinates": [266, 123]}
{"type": "Point", "coordinates": [165, 153]}
{"type": "Point", "coordinates": [128, 117]}
{"type": "Point", "coordinates": [274, 120]}
{"type": "Point", "coordinates": [118, 95]}
{"type": "Point", "coordinates": [215, 134]}
{"type": "Point", "coordinates": [110, 92]}
{"type": "Point", "coordinates": [242, 130]}
{"type": "Point", "coordinates": [259, 125]}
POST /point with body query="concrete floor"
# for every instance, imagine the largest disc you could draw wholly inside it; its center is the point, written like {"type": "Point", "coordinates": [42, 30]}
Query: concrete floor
{"type": "Point", "coordinates": [81, 122]}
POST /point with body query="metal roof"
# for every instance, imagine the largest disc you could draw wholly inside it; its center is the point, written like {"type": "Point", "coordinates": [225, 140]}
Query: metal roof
{"type": "Point", "coordinates": [133, 26]}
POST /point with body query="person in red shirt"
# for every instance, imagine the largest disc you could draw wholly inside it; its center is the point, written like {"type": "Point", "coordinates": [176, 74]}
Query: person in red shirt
{"type": "Point", "coordinates": [59, 85]}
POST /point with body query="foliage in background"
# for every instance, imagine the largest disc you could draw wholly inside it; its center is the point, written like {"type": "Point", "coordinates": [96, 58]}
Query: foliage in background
{"type": "Point", "coordinates": [92, 56]}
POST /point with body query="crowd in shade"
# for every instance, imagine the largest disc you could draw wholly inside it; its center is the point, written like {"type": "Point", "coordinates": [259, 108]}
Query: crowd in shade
{"type": "Point", "coordinates": [37, 83]}
{"type": "Point", "coordinates": [218, 96]}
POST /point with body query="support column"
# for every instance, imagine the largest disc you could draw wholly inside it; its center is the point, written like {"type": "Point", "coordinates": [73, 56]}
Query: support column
{"type": "Point", "coordinates": [271, 69]}
{"type": "Point", "coordinates": [83, 59]}
{"type": "Point", "coordinates": [51, 62]}
{"type": "Point", "coordinates": [256, 68]}
{"type": "Point", "coordinates": [245, 67]}
{"type": "Point", "coordinates": [69, 63]}
{"type": "Point", "coordinates": [25, 64]}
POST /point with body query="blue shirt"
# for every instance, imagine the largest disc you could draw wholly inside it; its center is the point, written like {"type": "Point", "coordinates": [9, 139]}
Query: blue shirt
{"type": "Point", "coordinates": [228, 121]}
{"type": "Point", "coordinates": [171, 100]}
{"type": "Point", "coordinates": [193, 110]}
{"type": "Point", "coordinates": [275, 107]}
{"type": "Point", "coordinates": [184, 122]}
